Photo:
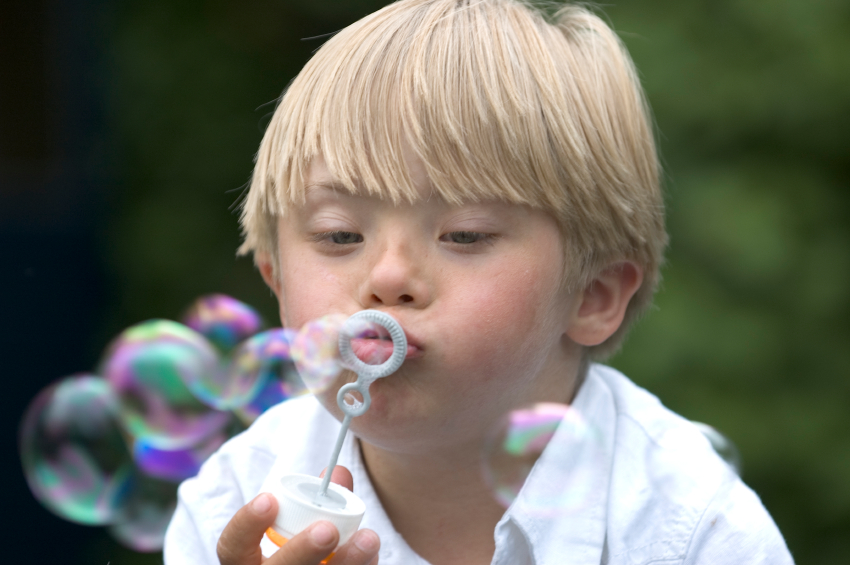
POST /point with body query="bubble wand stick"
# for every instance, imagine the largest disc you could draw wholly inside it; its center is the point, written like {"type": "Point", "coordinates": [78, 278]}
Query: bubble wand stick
{"type": "Point", "coordinates": [366, 375]}
{"type": "Point", "coordinates": [304, 499]}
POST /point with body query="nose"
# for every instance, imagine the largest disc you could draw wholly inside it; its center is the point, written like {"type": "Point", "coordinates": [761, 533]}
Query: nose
{"type": "Point", "coordinates": [396, 278]}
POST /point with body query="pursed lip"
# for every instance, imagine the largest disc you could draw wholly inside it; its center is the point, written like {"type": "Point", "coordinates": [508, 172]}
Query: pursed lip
{"type": "Point", "coordinates": [414, 349]}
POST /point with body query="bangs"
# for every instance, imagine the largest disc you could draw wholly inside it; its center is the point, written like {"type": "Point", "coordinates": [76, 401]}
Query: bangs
{"type": "Point", "coordinates": [446, 81]}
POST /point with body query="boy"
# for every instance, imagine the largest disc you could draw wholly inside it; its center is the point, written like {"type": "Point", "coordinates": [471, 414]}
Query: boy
{"type": "Point", "coordinates": [488, 177]}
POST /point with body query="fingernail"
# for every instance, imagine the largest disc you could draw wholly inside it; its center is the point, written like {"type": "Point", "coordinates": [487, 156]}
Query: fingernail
{"type": "Point", "coordinates": [322, 534]}
{"type": "Point", "coordinates": [366, 542]}
{"type": "Point", "coordinates": [262, 504]}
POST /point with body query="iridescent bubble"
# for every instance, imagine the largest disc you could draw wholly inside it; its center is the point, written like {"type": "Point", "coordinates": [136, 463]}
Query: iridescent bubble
{"type": "Point", "coordinates": [521, 439]}
{"type": "Point", "coordinates": [223, 320]}
{"type": "Point", "coordinates": [724, 447]}
{"type": "Point", "coordinates": [145, 515]}
{"type": "Point", "coordinates": [258, 360]}
{"type": "Point", "coordinates": [148, 366]}
{"type": "Point", "coordinates": [315, 350]}
{"type": "Point", "coordinates": [175, 465]}
{"type": "Point", "coordinates": [74, 456]}
{"type": "Point", "coordinates": [266, 360]}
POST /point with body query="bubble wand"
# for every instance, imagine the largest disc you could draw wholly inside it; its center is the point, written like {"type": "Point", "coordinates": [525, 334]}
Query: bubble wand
{"type": "Point", "coordinates": [305, 499]}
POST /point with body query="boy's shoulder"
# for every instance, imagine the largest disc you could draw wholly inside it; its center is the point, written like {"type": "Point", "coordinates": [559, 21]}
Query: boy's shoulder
{"type": "Point", "coordinates": [671, 497]}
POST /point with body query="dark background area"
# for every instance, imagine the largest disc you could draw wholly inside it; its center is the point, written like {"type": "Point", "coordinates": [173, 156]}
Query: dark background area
{"type": "Point", "coordinates": [127, 130]}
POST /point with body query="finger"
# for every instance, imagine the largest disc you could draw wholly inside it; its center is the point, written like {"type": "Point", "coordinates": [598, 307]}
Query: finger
{"type": "Point", "coordinates": [239, 543]}
{"type": "Point", "coordinates": [309, 547]}
{"type": "Point", "coordinates": [361, 549]}
{"type": "Point", "coordinates": [341, 476]}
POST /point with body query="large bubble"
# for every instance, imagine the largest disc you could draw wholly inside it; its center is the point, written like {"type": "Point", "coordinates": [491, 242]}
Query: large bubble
{"type": "Point", "coordinates": [146, 513]}
{"type": "Point", "coordinates": [74, 456]}
{"type": "Point", "coordinates": [223, 320]}
{"type": "Point", "coordinates": [520, 440]}
{"type": "Point", "coordinates": [315, 350]}
{"type": "Point", "coordinates": [148, 366]}
{"type": "Point", "coordinates": [265, 359]}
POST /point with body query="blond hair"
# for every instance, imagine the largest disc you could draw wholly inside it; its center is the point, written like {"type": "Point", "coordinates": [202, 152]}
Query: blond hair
{"type": "Point", "coordinates": [498, 101]}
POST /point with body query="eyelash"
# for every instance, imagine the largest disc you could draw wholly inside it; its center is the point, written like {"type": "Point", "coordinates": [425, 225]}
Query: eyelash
{"type": "Point", "coordinates": [476, 237]}
{"type": "Point", "coordinates": [472, 237]}
{"type": "Point", "coordinates": [331, 236]}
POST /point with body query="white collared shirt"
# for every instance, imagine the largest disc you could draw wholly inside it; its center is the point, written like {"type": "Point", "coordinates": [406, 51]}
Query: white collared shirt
{"type": "Point", "coordinates": [650, 489]}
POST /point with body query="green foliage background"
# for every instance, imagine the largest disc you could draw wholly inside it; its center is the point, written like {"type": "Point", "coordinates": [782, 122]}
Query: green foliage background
{"type": "Point", "coordinates": [752, 102]}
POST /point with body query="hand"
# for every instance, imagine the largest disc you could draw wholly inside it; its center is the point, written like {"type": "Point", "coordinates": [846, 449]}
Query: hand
{"type": "Point", "coordinates": [239, 543]}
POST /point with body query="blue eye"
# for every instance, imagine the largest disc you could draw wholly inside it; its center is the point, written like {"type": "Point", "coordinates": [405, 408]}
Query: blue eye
{"type": "Point", "coordinates": [345, 237]}
{"type": "Point", "coordinates": [465, 237]}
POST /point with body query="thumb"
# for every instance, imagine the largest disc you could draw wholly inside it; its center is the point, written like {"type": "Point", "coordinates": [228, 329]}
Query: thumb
{"type": "Point", "coordinates": [239, 543]}
{"type": "Point", "coordinates": [341, 476]}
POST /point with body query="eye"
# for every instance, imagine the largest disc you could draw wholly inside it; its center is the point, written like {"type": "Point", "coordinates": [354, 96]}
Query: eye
{"type": "Point", "coordinates": [337, 237]}
{"type": "Point", "coordinates": [345, 237]}
{"type": "Point", "coordinates": [465, 237]}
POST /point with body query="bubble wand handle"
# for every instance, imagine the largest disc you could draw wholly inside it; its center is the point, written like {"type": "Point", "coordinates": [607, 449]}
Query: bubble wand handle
{"type": "Point", "coordinates": [366, 375]}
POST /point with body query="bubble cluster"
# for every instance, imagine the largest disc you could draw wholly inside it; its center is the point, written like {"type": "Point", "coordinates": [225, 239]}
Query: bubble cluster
{"type": "Point", "coordinates": [520, 440]}
{"type": "Point", "coordinates": [74, 457]}
{"type": "Point", "coordinates": [266, 361]}
{"type": "Point", "coordinates": [148, 366]}
{"type": "Point", "coordinates": [223, 320]}
{"type": "Point", "coordinates": [111, 449]}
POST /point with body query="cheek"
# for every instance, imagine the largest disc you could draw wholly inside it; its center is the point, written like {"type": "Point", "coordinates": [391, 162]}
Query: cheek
{"type": "Point", "coordinates": [308, 291]}
{"type": "Point", "coordinates": [507, 319]}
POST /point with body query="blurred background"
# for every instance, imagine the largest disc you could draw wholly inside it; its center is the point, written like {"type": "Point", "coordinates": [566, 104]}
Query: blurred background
{"type": "Point", "coordinates": [127, 132]}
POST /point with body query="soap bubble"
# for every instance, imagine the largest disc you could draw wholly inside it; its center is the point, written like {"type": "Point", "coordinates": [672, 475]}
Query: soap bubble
{"type": "Point", "coordinates": [724, 447]}
{"type": "Point", "coordinates": [223, 320]}
{"type": "Point", "coordinates": [148, 366]}
{"type": "Point", "coordinates": [175, 465]}
{"type": "Point", "coordinates": [252, 365]}
{"type": "Point", "coordinates": [266, 360]}
{"type": "Point", "coordinates": [74, 456]}
{"type": "Point", "coordinates": [370, 342]}
{"type": "Point", "coordinates": [520, 440]}
{"type": "Point", "coordinates": [315, 350]}
{"type": "Point", "coordinates": [145, 515]}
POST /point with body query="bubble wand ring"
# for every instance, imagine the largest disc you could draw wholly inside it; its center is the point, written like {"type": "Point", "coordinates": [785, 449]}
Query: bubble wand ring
{"type": "Point", "coordinates": [366, 375]}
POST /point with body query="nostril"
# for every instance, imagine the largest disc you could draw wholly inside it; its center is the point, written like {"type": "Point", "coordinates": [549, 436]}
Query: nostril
{"type": "Point", "coordinates": [376, 299]}
{"type": "Point", "coordinates": [405, 298]}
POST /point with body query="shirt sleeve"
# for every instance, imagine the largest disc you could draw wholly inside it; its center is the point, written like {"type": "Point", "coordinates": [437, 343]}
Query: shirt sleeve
{"type": "Point", "coordinates": [736, 529]}
{"type": "Point", "coordinates": [206, 503]}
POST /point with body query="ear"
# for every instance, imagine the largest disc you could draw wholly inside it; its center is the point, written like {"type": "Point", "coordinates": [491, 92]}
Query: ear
{"type": "Point", "coordinates": [266, 267]}
{"type": "Point", "coordinates": [602, 304]}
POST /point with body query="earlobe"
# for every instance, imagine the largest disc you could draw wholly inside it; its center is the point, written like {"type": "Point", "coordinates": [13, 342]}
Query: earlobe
{"type": "Point", "coordinates": [602, 305]}
{"type": "Point", "coordinates": [266, 267]}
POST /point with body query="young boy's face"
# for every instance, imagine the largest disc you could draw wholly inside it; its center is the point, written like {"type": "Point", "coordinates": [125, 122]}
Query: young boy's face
{"type": "Point", "coordinates": [477, 289]}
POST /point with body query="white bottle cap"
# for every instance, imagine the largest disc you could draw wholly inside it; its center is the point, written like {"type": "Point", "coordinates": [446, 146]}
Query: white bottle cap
{"type": "Point", "coordinates": [298, 506]}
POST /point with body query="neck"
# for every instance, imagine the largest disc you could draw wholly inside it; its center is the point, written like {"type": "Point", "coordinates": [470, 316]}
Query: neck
{"type": "Point", "coordinates": [438, 502]}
